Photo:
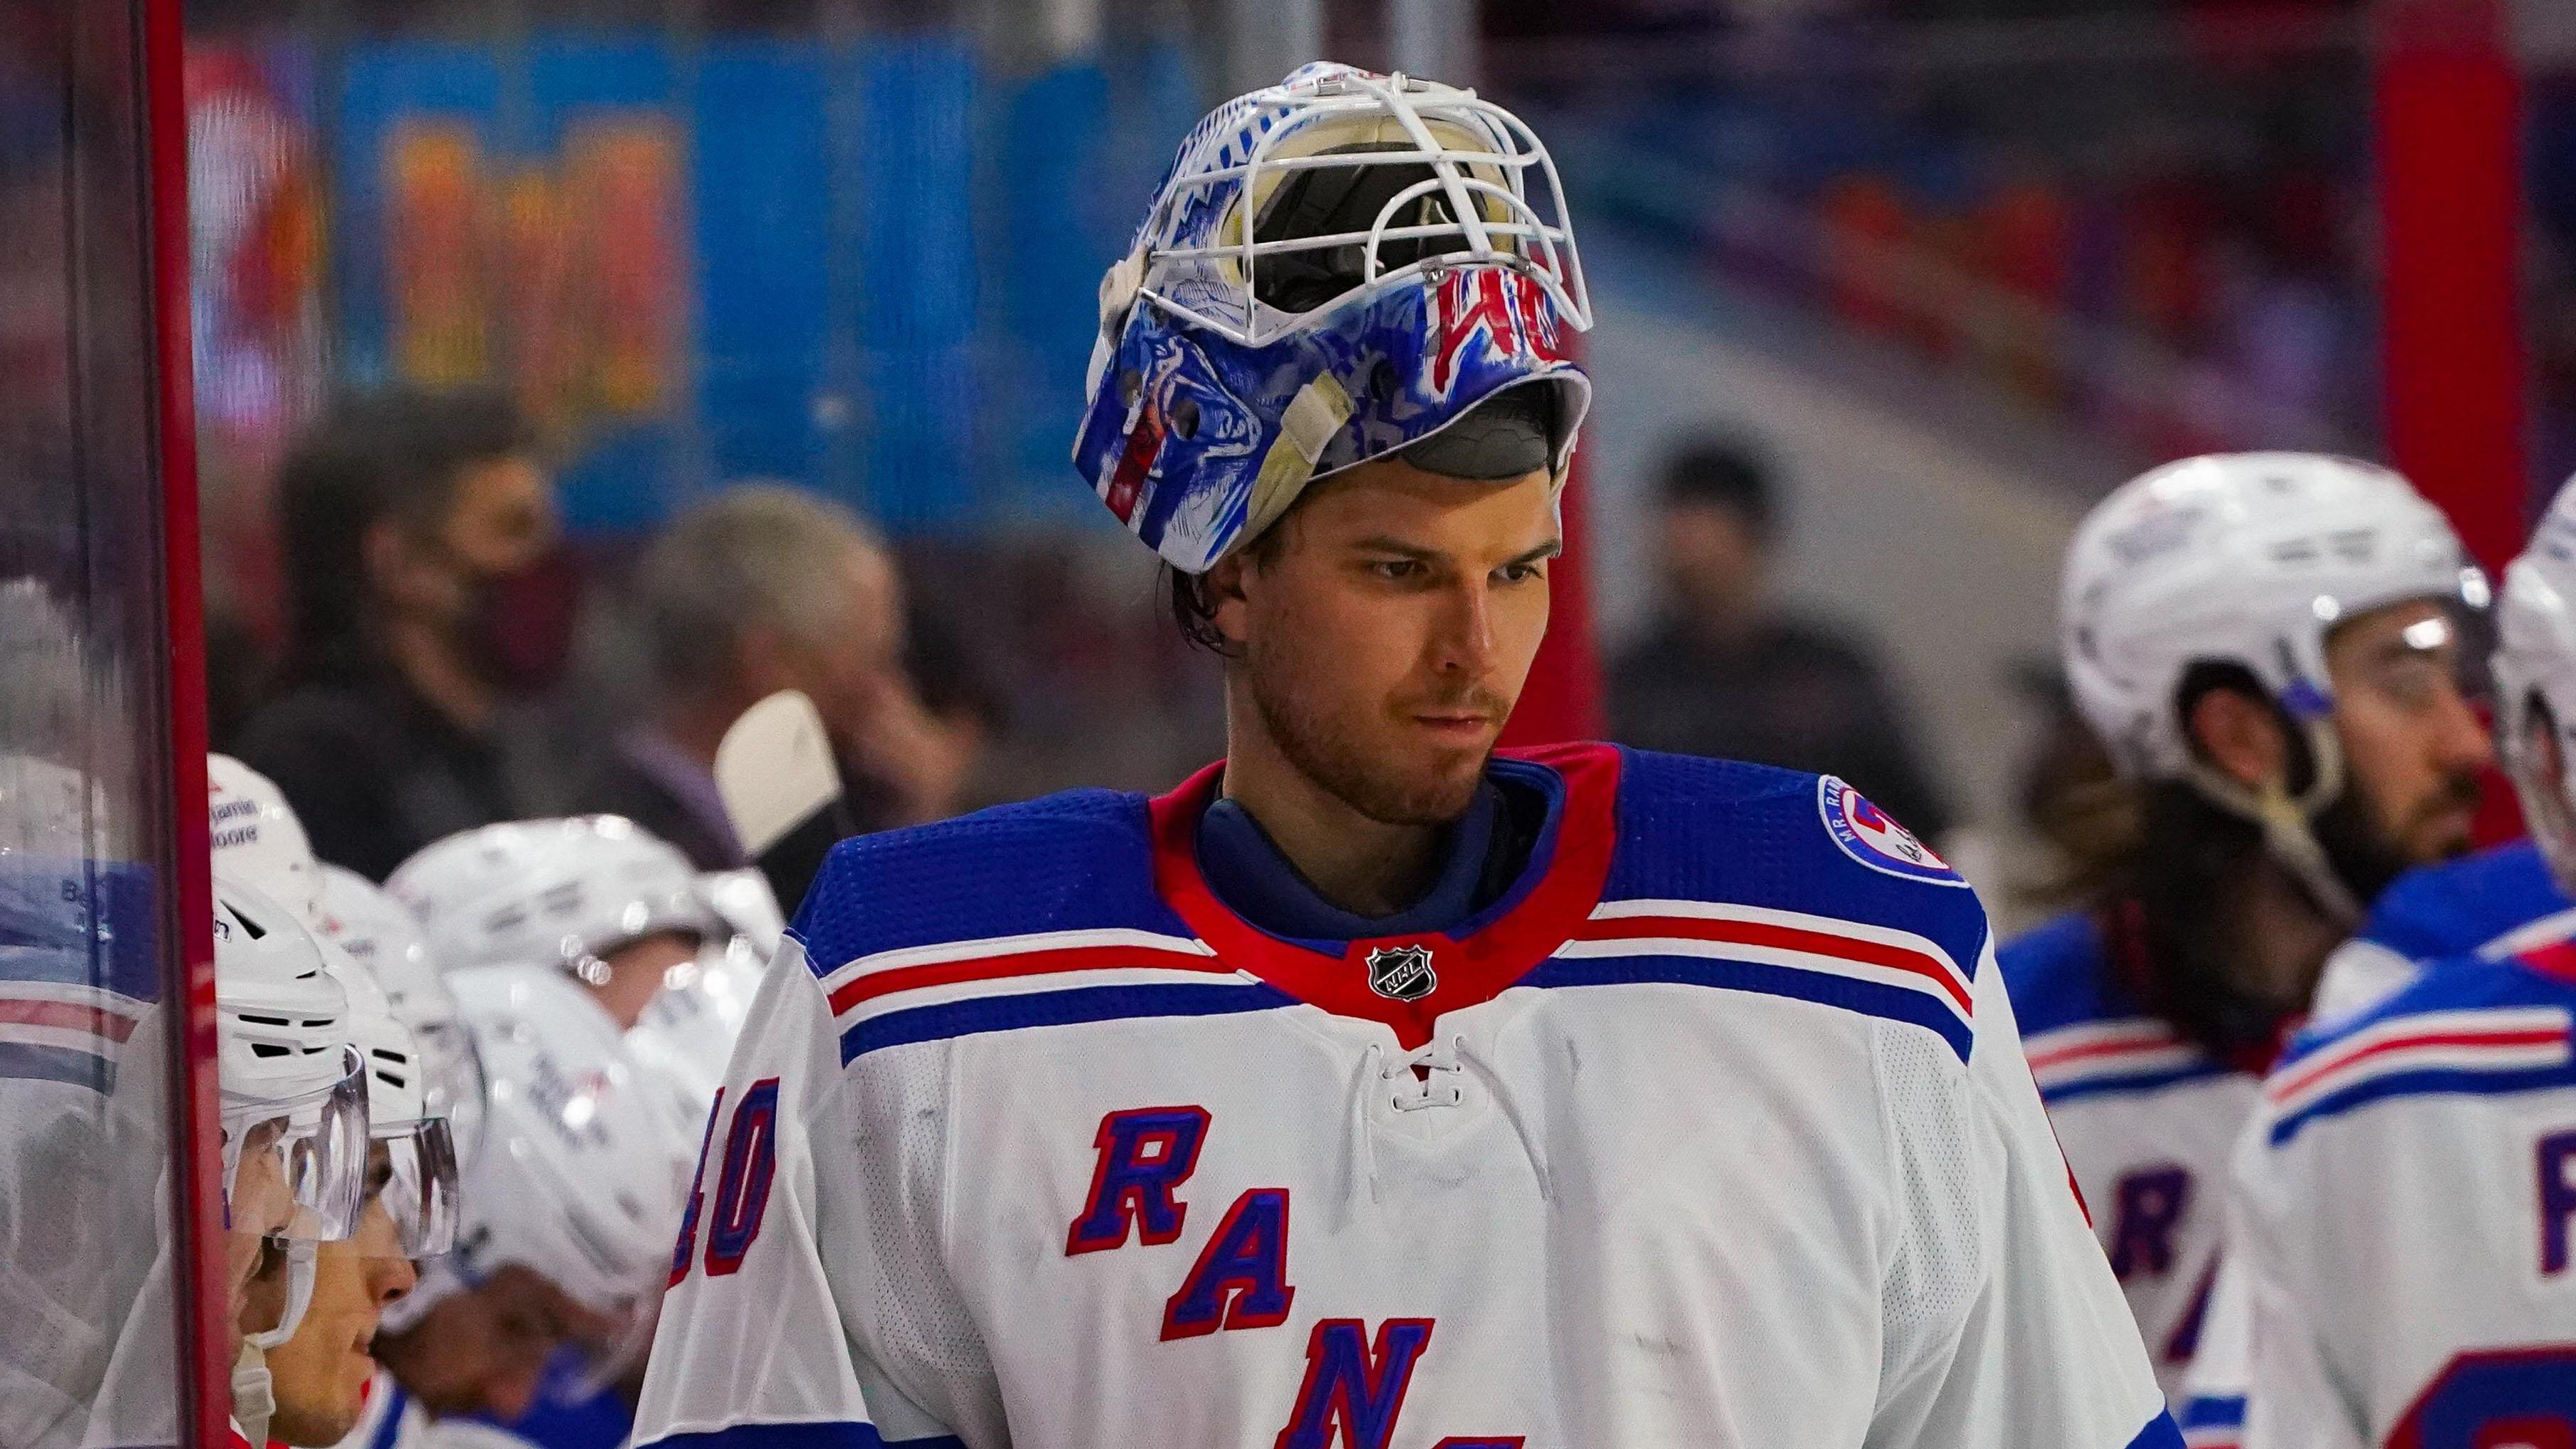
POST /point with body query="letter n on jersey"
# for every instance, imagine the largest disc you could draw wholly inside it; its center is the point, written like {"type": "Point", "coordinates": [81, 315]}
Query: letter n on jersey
{"type": "Point", "coordinates": [1145, 1154]}
{"type": "Point", "coordinates": [1353, 1385]}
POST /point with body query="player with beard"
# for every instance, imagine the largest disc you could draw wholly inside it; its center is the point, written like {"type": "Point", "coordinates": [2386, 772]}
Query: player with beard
{"type": "Point", "coordinates": [1376, 1087]}
{"type": "Point", "coordinates": [2268, 643]}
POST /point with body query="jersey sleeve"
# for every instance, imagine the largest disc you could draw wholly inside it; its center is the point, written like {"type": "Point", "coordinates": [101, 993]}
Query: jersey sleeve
{"type": "Point", "coordinates": [758, 1345]}
{"type": "Point", "coordinates": [2006, 1327]}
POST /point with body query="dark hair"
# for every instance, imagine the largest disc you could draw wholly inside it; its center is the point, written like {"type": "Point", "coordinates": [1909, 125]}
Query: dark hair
{"type": "Point", "coordinates": [2169, 897]}
{"type": "Point", "coordinates": [1723, 472]}
{"type": "Point", "coordinates": [1194, 607]}
{"type": "Point", "coordinates": [391, 454]}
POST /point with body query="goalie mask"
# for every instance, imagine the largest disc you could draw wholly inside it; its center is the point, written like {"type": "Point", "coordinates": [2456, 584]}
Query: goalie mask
{"type": "Point", "coordinates": [1336, 267]}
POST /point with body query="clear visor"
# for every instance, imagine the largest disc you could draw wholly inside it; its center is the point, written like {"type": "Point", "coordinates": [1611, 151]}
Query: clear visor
{"type": "Point", "coordinates": [301, 1172]}
{"type": "Point", "coordinates": [452, 1083]}
{"type": "Point", "coordinates": [419, 1186]}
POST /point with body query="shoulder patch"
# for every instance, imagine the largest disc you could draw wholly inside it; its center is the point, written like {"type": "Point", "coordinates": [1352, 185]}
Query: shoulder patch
{"type": "Point", "coordinates": [1870, 836]}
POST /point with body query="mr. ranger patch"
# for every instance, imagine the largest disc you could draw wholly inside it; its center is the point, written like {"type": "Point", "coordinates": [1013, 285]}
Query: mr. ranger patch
{"type": "Point", "coordinates": [1869, 836]}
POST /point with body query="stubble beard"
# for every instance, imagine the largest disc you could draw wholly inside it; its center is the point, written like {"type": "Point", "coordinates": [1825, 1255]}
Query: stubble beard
{"type": "Point", "coordinates": [1338, 760]}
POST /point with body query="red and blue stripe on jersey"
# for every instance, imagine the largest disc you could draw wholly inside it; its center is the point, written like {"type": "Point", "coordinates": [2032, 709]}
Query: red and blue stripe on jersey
{"type": "Point", "coordinates": [79, 967]}
{"type": "Point", "coordinates": [1089, 907]}
{"type": "Point", "coordinates": [2465, 1027]}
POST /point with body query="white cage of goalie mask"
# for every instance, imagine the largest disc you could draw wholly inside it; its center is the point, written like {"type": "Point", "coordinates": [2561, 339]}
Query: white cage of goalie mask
{"type": "Point", "coordinates": [1509, 232]}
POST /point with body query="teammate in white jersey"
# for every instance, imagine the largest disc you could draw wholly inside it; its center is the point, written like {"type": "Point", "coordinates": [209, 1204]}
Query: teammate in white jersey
{"type": "Point", "coordinates": [2408, 1193]}
{"type": "Point", "coordinates": [1374, 1088]}
{"type": "Point", "coordinates": [2266, 643]}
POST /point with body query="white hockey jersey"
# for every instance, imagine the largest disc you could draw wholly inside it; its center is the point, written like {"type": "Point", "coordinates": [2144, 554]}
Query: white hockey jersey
{"type": "Point", "coordinates": [2148, 1120]}
{"type": "Point", "coordinates": [2405, 1205]}
{"type": "Point", "coordinates": [1714, 1130]}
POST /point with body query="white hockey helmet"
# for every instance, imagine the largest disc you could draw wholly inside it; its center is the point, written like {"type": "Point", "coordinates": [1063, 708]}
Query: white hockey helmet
{"type": "Point", "coordinates": [561, 892]}
{"type": "Point", "coordinates": [748, 909]}
{"type": "Point", "coordinates": [2249, 559]}
{"type": "Point", "coordinates": [685, 1037]}
{"type": "Point", "coordinates": [378, 933]}
{"type": "Point", "coordinates": [257, 838]}
{"type": "Point", "coordinates": [583, 1170]}
{"type": "Point", "coordinates": [290, 1082]}
{"type": "Point", "coordinates": [2535, 670]}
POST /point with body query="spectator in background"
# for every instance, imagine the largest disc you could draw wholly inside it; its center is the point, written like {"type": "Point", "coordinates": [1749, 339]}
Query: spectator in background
{"type": "Point", "coordinates": [1724, 672]}
{"type": "Point", "coordinates": [426, 591]}
{"type": "Point", "coordinates": [758, 589]}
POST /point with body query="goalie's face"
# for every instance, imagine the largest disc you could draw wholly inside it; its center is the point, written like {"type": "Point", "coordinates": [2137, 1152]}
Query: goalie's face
{"type": "Point", "coordinates": [1386, 631]}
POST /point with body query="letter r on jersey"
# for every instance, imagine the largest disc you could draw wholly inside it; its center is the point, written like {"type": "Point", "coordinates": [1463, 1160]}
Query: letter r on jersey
{"type": "Point", "coordinates": [1144, 1155]}
{"type": "Point", "coordinates": [2557, 1200]}
{"type": "Point", "coordinates": [1350, 1383]}
{"type": "Point", "coordinates": [2150, 1206]}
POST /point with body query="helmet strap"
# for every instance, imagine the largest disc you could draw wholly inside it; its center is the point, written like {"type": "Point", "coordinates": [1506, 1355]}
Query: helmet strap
{"type": "Point", "coordinates": [299, 1296]}
{"type": "Point", "coordinates": [254, 1394]}
{"type": "Point", "coordinates": [2288, 821]}
{"type": "Point", "coordinates": [1312, 420]}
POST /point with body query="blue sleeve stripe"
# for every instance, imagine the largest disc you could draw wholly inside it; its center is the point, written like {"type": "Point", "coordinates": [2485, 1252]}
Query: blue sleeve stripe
{"type": "Point", "coordinates": [982, 1014]}
{"type": "Point", "coordinates": [1869, 998]}
{"type": "Point", "coordinates": [2209, 1413]}
{"type": "Point", "coordinates": [67, 1065]}
{"type": "Point", "coordinates": [2160, 1433]}
{"type": "Point", "coordinates": [2106, 1086]}
{"type": "Point", "coordinates": [2444, 1082]}
{"type": "Point", "coordinates": [823, 1434]}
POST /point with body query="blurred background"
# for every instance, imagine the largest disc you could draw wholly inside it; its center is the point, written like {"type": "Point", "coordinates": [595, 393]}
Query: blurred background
{"type": "Point", "coordinates": [1890, 290]}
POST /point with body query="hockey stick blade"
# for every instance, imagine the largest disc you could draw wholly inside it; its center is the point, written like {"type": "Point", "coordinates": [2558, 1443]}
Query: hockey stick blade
{"type": "Point", "coordinates": [782, 789]}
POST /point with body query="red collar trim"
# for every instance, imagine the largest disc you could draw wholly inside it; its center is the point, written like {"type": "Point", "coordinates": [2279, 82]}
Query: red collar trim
{"type": "Point", "coordinates": [1466, 972]}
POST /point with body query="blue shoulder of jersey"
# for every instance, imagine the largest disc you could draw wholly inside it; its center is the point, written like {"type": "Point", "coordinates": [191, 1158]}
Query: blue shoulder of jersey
{"type": "Point", "coordinates": [2467, 1026]}
{"type": "Point", "coordinates": [2057, 976]}
{"type": "Point", "coordinates": [2453, 907]}
{"type": "Point", "coordinates": [1080, 860]}
{"type": "Point", "coordinates": [1733, 834]}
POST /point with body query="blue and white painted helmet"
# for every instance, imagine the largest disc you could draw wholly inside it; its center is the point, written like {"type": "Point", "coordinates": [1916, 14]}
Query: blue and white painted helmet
{"type": "Point", "coordinates": [1336, 267]}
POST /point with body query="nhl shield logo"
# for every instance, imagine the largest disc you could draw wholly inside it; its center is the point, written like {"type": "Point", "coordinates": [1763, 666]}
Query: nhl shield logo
{"type": "Point", "coordinates": [1401, 973]}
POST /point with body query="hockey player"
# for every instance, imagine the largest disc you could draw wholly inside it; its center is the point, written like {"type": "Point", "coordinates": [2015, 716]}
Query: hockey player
{"type": "Point", "coordinates": [568, 1214]}
{"type": "Point", "coordinates": [1373, 1089]}
{"type": "Point", "coordinates": [2266, 643]}
{"type": "Point", "coordinates": [295, 1123]}
{"type": "Point", "coordinates": [320, 1373]}
{"type": "Point", "coordinates": [597, 896]}
{"type": "Point", "coordinates": [2407, 1195]}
